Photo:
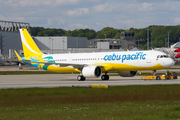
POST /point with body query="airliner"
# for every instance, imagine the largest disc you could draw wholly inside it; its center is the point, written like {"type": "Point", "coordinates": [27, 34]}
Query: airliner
{"type": "Point", "coordinates": [92, 65]}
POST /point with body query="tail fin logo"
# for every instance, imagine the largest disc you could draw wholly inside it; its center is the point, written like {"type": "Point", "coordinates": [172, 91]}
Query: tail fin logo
{"type": "Point", "coordinates": [26, 44]}
{"type": "Point", "coordinates": [29, 46]}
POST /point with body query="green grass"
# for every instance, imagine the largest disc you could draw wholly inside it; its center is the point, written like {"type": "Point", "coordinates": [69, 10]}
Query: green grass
{"type": "Point", "coordinates": [98, 111]}
{"type": "Point", "coordinates": [124, 102]}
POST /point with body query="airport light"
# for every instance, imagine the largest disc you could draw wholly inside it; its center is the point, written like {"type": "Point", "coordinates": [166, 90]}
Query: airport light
{"type": "Point", "coordinates": [168, 39]}
{"type": "Point", "coordinates": [105, 36]}
{"type": "Point", "coordinates": [52, 44]}
{"type": "Point", "coordinates": [165, 42]}
{"type": "Point", "coordinates": [147, 39]}
{"type": "Point", "coordinates": [63, 44]}
{"type": "Point", "coordinates": [77, 43]}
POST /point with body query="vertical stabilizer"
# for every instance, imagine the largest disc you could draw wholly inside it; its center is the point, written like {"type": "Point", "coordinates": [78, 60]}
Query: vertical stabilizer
{"type": "Point", "coordinates": [29, 46]}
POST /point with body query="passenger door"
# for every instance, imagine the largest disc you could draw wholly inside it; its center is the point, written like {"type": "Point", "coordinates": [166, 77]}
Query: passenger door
{"type": "Point", "coordinates": [148, 58]}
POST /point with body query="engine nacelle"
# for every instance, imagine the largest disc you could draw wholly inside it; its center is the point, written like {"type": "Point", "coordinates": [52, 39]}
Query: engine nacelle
{"type": "Point", "coordinates": [91, 71]}
{"type": "Point", "coordinates": [127, 73]}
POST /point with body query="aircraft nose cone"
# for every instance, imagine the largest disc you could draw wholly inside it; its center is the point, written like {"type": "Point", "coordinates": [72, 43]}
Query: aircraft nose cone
{"type": "Point", "coordinates": [171, 62]}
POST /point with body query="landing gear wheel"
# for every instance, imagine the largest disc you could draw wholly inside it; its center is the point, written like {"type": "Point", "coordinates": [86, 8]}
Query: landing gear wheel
{"type": "Point", "coordinates": [105, 77]}
{"type": "Point", "coordinates": [81, 78]}
{"type": "Point", "coordinates": [158, 78]}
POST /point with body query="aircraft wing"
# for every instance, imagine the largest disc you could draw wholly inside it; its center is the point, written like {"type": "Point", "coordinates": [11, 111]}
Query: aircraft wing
{"type": "Point", "coordinates": [75, 65]}
{"type": "Point", "coordinates": [66, 64]}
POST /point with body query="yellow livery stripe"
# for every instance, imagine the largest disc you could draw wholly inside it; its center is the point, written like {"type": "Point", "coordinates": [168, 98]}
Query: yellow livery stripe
{"type": "Point", "coordinates": [124, 67]}
{"type": "Point", "coordinates": [59, 69]}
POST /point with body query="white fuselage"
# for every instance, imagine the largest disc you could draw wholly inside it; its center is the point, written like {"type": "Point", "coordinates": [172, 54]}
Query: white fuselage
{"type": "Point", "coordinates": [132, 58]}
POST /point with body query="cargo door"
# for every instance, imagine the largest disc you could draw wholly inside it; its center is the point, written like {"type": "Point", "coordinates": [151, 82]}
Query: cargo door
{"type": "Point", "coordinates": [148, 58]}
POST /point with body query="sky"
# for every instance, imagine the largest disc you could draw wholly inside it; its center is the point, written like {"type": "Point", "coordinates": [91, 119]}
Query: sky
{"type": "Point", "coordinates": [92, 14]}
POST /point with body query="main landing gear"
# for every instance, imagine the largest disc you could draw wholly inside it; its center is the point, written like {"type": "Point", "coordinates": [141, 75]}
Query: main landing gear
{"type": "Point", "coordinates": [105, 77]}
{"type": "Point", "coordinates": [81, 78]}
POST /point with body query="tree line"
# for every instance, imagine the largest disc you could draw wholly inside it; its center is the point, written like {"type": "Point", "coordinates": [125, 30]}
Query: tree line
{"type": "Point", "coordinates": [158, 34]}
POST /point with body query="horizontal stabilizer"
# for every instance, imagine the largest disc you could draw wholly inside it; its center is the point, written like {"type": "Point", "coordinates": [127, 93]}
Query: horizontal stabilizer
{"type": "Point", "coordinates": [19, 58]}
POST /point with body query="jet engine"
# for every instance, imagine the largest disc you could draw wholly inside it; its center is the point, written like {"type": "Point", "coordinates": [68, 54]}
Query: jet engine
{"type": "Point", "coordinates": [127, 73]}
{"type": "Point", "coordinates": [91, 71]}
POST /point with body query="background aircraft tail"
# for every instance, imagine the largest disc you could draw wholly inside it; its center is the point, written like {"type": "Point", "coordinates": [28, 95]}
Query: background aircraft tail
{"type": "Point", "coordinates": [29, 46]}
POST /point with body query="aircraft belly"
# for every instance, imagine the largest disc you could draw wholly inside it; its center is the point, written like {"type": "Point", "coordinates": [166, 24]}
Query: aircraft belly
{"type": "Point", "coordinates": [126, 67]}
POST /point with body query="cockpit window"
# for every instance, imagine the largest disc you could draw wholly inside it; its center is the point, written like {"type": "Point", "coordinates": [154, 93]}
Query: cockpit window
{"type": "Point", "coordinates": [166, 56]}
{"type": "Point", "coordinates": [162, 56]}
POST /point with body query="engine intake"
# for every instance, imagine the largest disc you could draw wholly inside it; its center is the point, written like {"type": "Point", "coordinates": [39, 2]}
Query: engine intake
{"type": "Point", "coordinates": [127, 73]}
{"type": "Point", "coordinates": [91, 71]}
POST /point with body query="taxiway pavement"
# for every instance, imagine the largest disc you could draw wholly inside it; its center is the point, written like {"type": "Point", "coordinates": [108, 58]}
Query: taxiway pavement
{"type": "Point", "coordinates": [69, 80]}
